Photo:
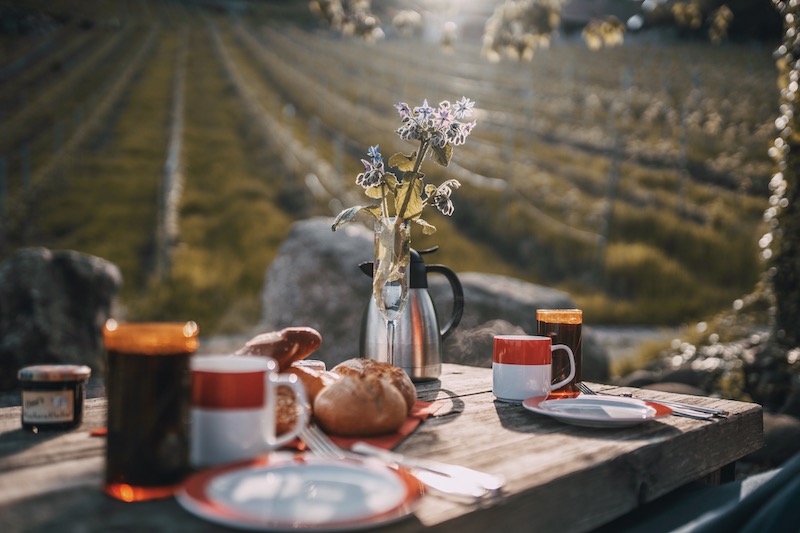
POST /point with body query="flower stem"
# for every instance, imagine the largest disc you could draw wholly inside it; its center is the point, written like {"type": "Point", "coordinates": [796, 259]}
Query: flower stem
{"type": "Point", "coordinates": [384, 203]}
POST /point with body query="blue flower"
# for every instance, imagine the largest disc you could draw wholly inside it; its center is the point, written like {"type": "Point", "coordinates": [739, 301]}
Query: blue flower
{"type": "Point", "coordinates": [463, 108]}
{"type": "Point", "coordinates": [423, 112]}
{"type": "Point", "coordinates": [403, 110]}
{"type": "Point", "coordinates": [443, 117]}
{"type": "Point", "coordinates": [372, 175]}
{"type": "Point", "coordinates": [375, 154]}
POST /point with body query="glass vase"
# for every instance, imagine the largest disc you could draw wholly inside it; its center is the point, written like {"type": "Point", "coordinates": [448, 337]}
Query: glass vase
{"type": "Point", "coordinates": [391, 273]}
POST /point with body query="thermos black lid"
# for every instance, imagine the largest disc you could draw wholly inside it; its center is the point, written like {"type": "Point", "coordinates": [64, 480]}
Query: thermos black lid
{"type": "Point", "coordinates": [418, 277]}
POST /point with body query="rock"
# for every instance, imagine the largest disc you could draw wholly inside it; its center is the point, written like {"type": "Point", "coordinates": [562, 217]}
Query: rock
{"type": "Point", "coordinates": [676, 388]}
{"type": "Point", "coordinates": [781, 441]}
{"type": "Point", "coordinates": [315, 281]}
{"type": "Point", "coordinates": [792, 404]}
{"type": "Point", "coordinates": [700, 379]}
{"type": "Point", "coordinates": [638, 378]}
{"type": "Point", "coordinates": [499, 297]}
{"type": "Point", "coordinates": [52, 308]}
{"type": "Point", "coordinates": [499, 305]}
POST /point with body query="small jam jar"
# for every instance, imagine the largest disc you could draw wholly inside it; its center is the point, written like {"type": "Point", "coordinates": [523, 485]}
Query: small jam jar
{"type": "Point", "coordinates": [53, 396]}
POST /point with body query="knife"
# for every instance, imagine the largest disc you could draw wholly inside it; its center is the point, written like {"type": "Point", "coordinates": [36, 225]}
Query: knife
{"type": "Point", "coordinates": [448, 477]}
{"type": "Point", "coordinates": [700, 408]}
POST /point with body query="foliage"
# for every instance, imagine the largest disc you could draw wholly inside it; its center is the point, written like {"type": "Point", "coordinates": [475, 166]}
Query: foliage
{"type": "Point", "coordinates": [518, 27]}
{"type": "Point", "coordinates": [350, 17]}
{"type": "Point", "coordinates": [784, 211]}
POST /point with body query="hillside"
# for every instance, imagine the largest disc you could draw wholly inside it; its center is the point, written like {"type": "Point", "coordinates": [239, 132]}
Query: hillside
{"type": "Point", "coordinates": [181, 142]}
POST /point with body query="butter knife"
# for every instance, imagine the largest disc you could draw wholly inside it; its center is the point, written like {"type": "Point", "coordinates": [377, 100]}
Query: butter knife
{"type": "Point", "coordinates": [455, 476]}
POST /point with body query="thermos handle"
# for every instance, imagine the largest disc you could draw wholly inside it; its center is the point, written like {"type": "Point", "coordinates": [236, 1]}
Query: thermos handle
{"type": "Point", "coordinates": [458, 298]}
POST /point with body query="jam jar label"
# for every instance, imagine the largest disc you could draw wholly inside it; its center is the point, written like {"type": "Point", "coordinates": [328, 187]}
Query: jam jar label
{"type": "Point", "coordinates": [42, 407]}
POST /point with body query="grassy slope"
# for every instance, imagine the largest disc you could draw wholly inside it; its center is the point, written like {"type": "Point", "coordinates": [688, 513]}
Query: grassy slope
{"type": "Point", "coordinates": [663, 264]}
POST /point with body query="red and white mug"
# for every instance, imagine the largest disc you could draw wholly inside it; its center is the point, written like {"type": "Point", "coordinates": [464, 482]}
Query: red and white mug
{"type": "Point", "coordinates": [233, 408]}
{"type": "Point", "coordinates": [522, 367]}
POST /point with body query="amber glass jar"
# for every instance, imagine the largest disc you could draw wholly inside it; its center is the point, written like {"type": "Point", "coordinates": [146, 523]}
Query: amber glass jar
{"type": "Point", "coordinates": [148, 384]}
{"type": "Point", "coordinates": [53, 396]}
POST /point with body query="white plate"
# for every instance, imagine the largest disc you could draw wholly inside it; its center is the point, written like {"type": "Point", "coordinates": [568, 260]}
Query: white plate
{"type": "Point", "coordinates": [288, 491]}
{"type": "Point", "coordinates": [597, 410]}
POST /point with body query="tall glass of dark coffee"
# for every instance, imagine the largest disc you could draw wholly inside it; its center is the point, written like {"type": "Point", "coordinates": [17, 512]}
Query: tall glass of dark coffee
{"type": "Point", "coordinates": [564, 327]}
{"type": "Point", "coordinates": [148, 384]}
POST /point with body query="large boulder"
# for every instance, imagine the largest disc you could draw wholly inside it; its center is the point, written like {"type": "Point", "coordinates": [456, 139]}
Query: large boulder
{"type": "Point", "coordinates": [315, 281]}
{"type": "Point", "coordinates": [52, 307]}
{"type": "Point", "coordinates": [499, 305]}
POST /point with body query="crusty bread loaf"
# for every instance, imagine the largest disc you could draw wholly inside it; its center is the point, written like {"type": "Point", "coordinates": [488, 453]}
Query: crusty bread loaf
{"type": "Point", "coordinates": [285, 346]}
{"type": "Point", "coordinates": [362, 367]}
{"type": "Point", "coordinates": [360, 406]}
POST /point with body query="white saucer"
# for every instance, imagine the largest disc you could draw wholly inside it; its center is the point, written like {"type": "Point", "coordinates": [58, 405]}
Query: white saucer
{"type": "Point", "coordinates": [288, 491]}
{"type": "Point", "coordinates": [597, 411]}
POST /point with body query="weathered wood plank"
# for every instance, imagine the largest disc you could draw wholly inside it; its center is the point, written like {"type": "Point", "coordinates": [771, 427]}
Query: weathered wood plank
{"type": "Point", "coordinates": [541, 456]}
{"type": "Point", "coordinates": [52, 480]}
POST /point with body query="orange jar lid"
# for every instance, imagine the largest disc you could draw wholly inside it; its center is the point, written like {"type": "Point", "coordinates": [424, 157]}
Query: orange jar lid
{"type": "Point", "coordinates": [151, 338]}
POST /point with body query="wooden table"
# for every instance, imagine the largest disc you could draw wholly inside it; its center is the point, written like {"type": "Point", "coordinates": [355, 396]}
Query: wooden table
{"type": "Point", "coordinates": [558, 476]}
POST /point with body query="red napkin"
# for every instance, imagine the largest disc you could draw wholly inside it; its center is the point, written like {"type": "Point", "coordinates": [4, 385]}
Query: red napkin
{"type": "Point", "coordinates": [420, 412]}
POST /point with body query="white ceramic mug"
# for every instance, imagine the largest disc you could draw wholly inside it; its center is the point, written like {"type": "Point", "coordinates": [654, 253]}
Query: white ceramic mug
{"type": "Point", "coordinates": [233, 408]}
{"type": "Point", "coordinates": [522, 367]}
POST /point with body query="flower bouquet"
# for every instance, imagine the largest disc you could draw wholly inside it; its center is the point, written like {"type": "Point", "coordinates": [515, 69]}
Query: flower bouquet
{"type": "Point", "coordinates": [403, 194]}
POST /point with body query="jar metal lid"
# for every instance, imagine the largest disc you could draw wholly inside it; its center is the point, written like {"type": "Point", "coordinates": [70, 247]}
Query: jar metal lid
{"type": "Point", "coordinates": [54, 373]}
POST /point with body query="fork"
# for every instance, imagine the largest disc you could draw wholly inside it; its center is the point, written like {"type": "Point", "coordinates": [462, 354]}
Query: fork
{"type": "Point", "coordinates": [447, 479]}
{"type": "Point", "coordinates": [320, 444]}
{"type": "Point", "coordinates": [678, 409]}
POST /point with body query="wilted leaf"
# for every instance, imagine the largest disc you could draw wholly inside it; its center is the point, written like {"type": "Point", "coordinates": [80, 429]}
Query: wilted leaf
{"type": "Point", "coordinates": [409, 195]}
{"type": "Point", "coordinates": [391, 181]}
{"type": "Point", "coordinates": [441, 154]}
{"type": "Point", "coordinates": [374, 210]}
{"type": "Point", "coordinates": [350, 213]}
{"type": "Point", "coordinates": [427, 229]}
{"type": "Point", "coordinates": [430, 190]}
{"type": "Point", "coordinates": [375, 192]}
{"type": "Point", "coordinates": [403, 162]}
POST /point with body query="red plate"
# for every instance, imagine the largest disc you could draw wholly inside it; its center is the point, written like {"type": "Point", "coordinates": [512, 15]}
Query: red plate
{"type": "Point", "coordinates": [286, 491]}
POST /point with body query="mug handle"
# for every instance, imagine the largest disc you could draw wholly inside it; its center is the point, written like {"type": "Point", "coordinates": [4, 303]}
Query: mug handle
{"type": "Point", "coordinates": [299, 391]}
{"type": "Point", "coordinates": [571, 365]}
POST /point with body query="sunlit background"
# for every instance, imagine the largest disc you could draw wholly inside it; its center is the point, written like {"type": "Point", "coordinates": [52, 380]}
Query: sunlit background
{"type": "Point", "coordinates": [621, 151]}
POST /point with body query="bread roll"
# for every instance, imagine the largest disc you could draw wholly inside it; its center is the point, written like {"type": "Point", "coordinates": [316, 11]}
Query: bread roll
{"type": "Point", "coordinates": [313, 380]}
{"type": "Point", "coordinates": [285, 410]}
{"type": "Point", "coordinates": [360, 366]}
{"type": "Point", "coordinates": [360, 407]}
{"type": "Point", "coordinates": [285, 346]}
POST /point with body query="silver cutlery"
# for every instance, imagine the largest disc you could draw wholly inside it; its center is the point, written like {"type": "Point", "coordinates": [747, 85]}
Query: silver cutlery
{"type": "Point", "coordinates": [678, 408]}
{"type": "Point", "coordinates": [447, 479]}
